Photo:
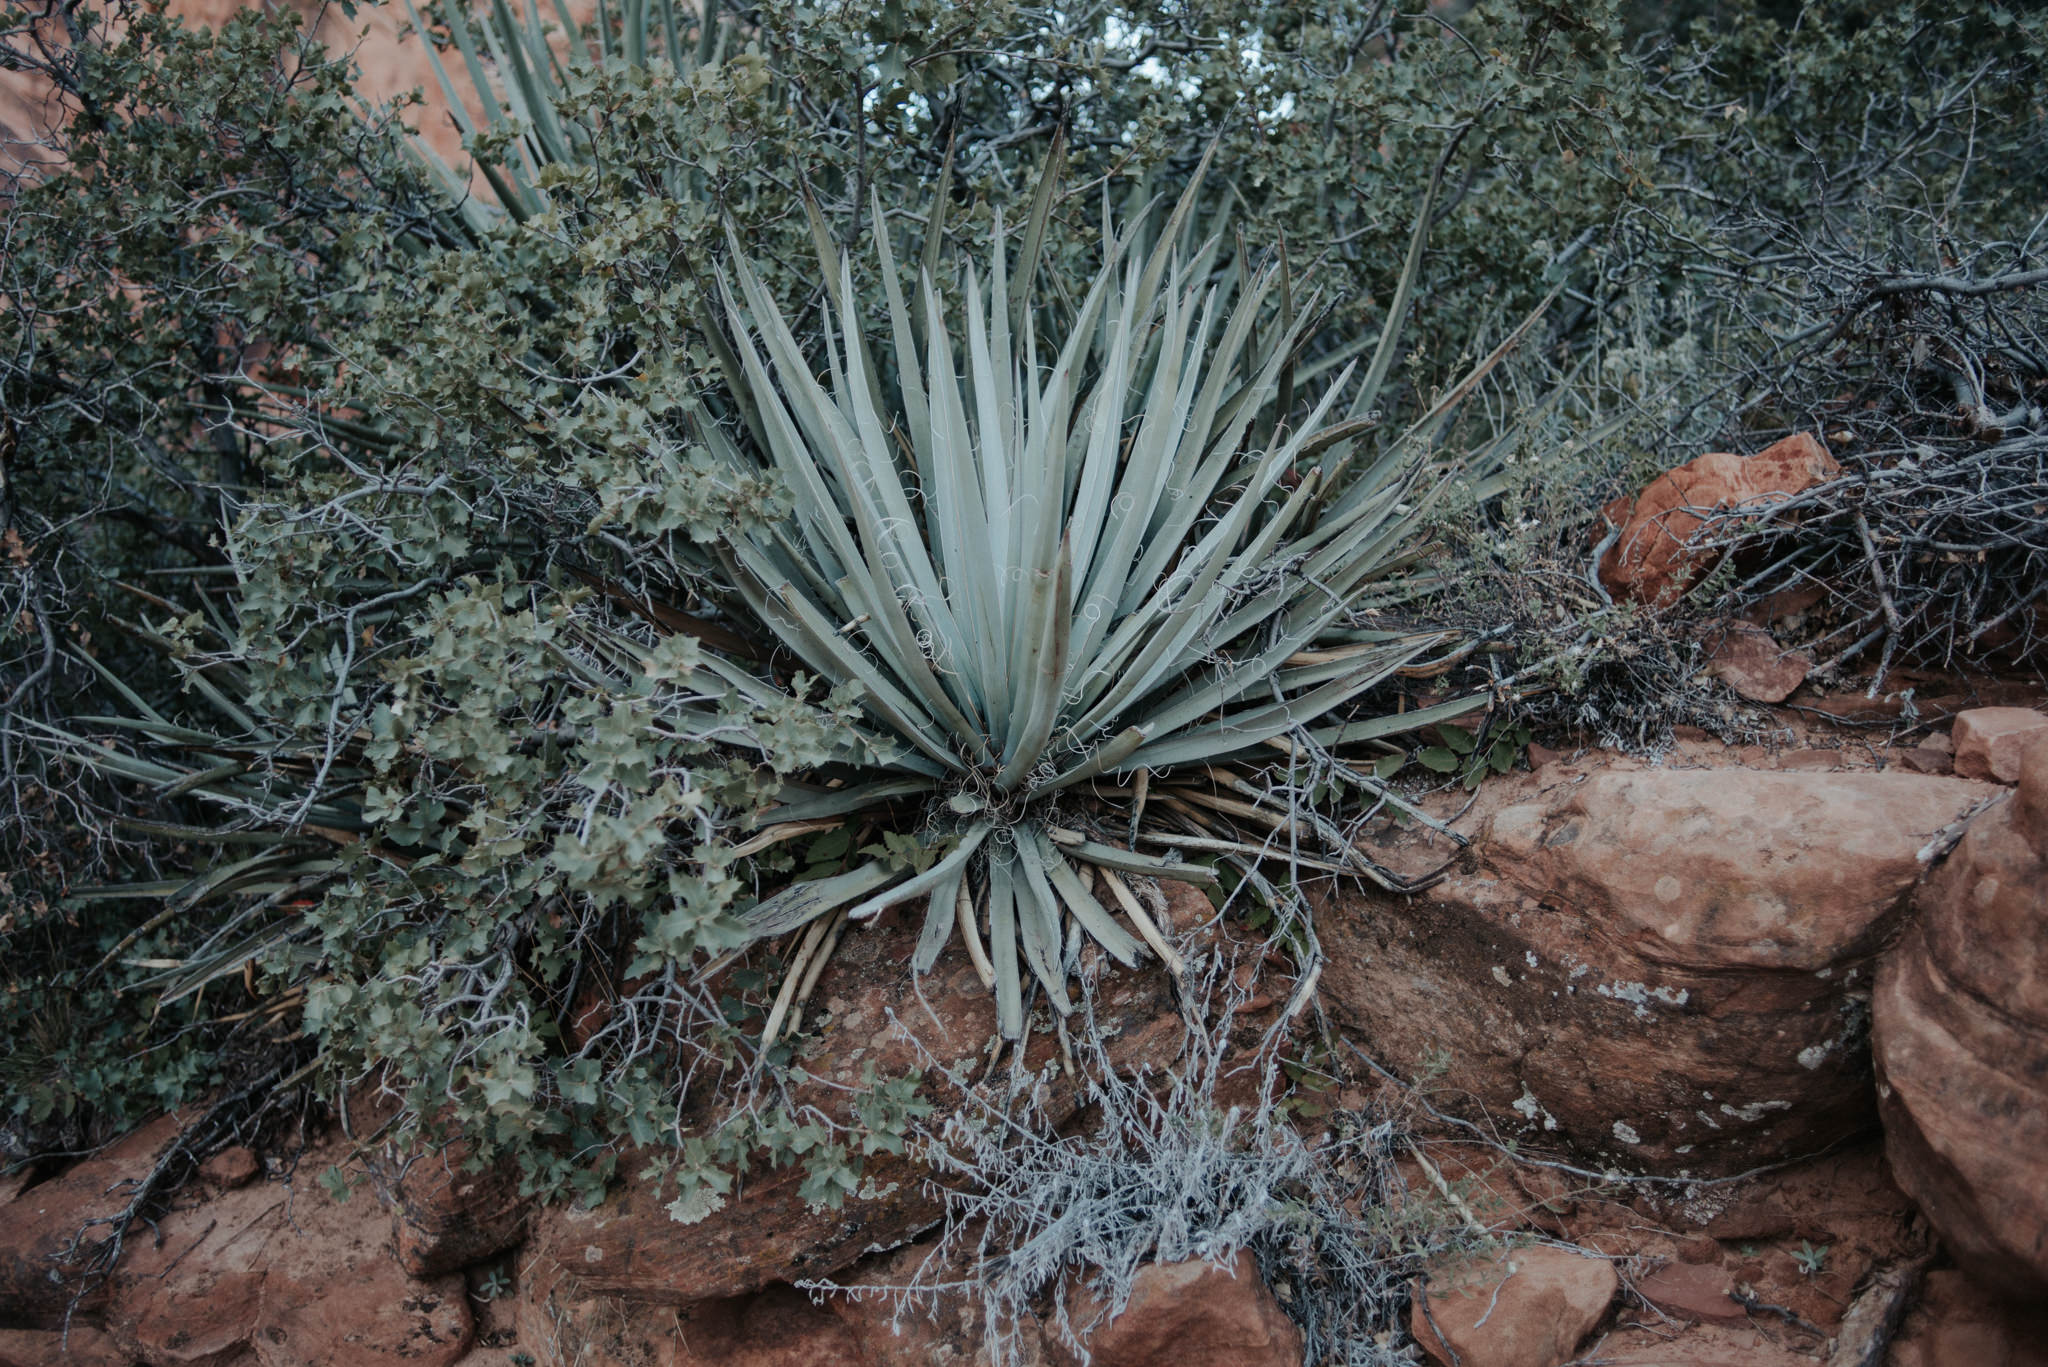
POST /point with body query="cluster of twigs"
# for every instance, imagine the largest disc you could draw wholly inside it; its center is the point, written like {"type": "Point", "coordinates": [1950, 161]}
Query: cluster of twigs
{"type": "Point", "coordinates": [1932, 548]}
{"type": "Point", "coordinates": [1885, 288]}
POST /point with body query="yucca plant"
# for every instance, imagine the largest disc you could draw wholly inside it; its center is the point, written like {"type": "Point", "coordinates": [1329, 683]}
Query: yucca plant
{"type": "Point", "coordinates": [522, 78]}
{"type": "Point", "coordinates": [1050, 563]}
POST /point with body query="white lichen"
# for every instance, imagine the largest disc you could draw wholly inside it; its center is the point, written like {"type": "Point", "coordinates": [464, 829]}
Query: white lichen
{"type": "Point", "coordinates": [1640, 995]}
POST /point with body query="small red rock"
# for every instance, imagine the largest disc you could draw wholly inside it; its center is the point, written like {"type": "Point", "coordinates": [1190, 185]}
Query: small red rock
{"type": "Point", "coordinates": [1988, 740]}
{"type": "Point", "coordinates": [231, 1168]}
{"type": "Point", "coordinates": [1751, 662]}
{"type": "Point", "coordinates": [1925, 759]}
{"type": "Point", "coordinates": [1701, 1250]}
{"type": "Point", "coordinates": [1527, 1307]}
{"type": "Point", "coordinates": [1194, 1314]}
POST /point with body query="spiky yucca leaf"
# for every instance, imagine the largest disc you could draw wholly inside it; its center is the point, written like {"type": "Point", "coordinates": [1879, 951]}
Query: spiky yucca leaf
{"type": "Point", "coordinates": [1052, 560]}
{"type": "Point", "coordinates": [522, 78]}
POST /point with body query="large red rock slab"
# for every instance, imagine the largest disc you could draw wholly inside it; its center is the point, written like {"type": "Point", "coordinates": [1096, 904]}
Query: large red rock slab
{"type": "Point", "coordinates": [1653, 561]}
{"type": "Point", "coordinates": [766, 1232]}
{"type": "Point", "coordinates": [368, 1315]}
{"type": "Point", "coordinates": [1192, 1314]}
{"type": "Point", "coordinates": [48, 1230]}
{"type": "Point", "coordinates": [283, 1271]}
{"type": "Point", "coordinates": [1961, 1041]}
{"type": "Point", "coordinates": [1700, 1345]}
{"type": "Point", "coordinates": [1955, 1322]}
{"type": "Point", "coordinates": [82, 1346]}
{"type": "Point", "coordinates": [1523, 1307]}
{"type": "Point", "coordinates": [1668, 969]}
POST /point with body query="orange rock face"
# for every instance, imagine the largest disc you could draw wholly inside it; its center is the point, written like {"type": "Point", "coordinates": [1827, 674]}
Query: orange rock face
{"type": "Point", "coordinates": [390, 65]}
{"type": "Point", "coordinates": [1665, 968]}
{"type": "Point", "coordinates": [1653, 560]}
{"type": "Point", "coordinates": [1960, 1027]}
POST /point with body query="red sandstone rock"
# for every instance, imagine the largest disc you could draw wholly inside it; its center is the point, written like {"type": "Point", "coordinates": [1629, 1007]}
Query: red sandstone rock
{"type": "Point", "coordinates": [1988, 741]}
{"type": "Point", "coordinates": [1845, 1200]}
{"type": "Point", "coordinates": [1702, 1345]}
{"type": "Point", "coordinates": [284, 1272]}
{"type": "Point", "coordinates": [1796, 760]}
{"type": "Point", "coordinates": [365, 1316]}
{"type": "Point", "coordinates": [1700, 1250]}
{"type": "Point", "coordinates": [1666, 968]}
{"type": "Point", "coordinates": [189, 1316]}
{"type": "Point", "coordinates": [1652, 562]}
{"type": "Point", "coordinates": [1956, 1323]}
{"type": "Point", "coordinates": [41, 1224]}
{"type": "Point", "coordinates": [1961, 1039]}
{"type": "Point", "coordinates": [777, 1327]}
{"type": "Point", "coordinates": [83, 1346]}
{"type": "Point", "coordinates": [230, 1168]}
{"type": "Point", "coordinates": [1193, 1314]}
{"type": "Point", "coordinates": [1751, 662]}
{"type": "Point", "coordinates": [766, 1233]}
{"type": "Point", "coordinates": [391, 60]}
{"type": "Point", "coordinates": [942, 1331]}
{"type": "Point", "coordinates": [448, 1217]}
{"type": "Point", "coordinates": [1690, 1291]}
{"type": "Point", "coordinates": [1927, 759]}
{"type": "Point", "coordinates": [1528, 1307]}
{"type": "Point", "coordinates": [369, 1315]}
